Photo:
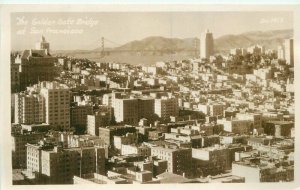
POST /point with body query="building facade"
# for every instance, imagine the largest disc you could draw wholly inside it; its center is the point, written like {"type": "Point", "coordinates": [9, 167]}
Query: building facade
{"type": "Point", "coordinates": [57, 104]}
{"type": "Point", "coordinates": [289, 51]}
{"type": "Point", "coordinates": [29, 108]}
{"type": "Point", "coordinates": [57, 165]}
{"type": "Point", "coordinates": [36, 65]}
{"type": "Point", "coordinates": [166, 107]}
{"type": "Point", "coordinates": [99, 119]}
{"type": "Point", "coordinates": [179, 159]}
{"type": "Point", "coordinates": [206, 45]}
{"type": "Point", "coordinates": [19, 151]}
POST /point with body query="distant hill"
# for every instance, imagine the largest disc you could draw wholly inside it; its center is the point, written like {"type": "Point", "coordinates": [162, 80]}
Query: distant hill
{"type": "Point", "coordinates": [157, 48]}
{"type": "Point", "coordinates": [158, 43]}
{"type": "Point", "coordinates": [270, 39]}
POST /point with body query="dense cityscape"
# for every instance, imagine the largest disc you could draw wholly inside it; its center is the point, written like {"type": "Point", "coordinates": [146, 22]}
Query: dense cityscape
{"type": "Point", "coordinates": [213, 118]}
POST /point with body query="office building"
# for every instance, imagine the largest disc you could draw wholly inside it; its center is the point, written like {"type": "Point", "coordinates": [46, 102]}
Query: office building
{"type": "Point", "coordinates": [289, 51]}
{"type": "Point", "coordinates": [179, 159]}
{"type": "Point", "coordinates": [235, 125]}
{"type": "Point", "coordinates": [280, 53]}
{"type": "Point", "coordinates": [129, 138]}
{"type": "Point", "coordinates": [206, 45]}
{"type": "Point", "coordinates": [36, 65]}
{"type": "Point", "coordinates": [126, 110]}
{"type": "Point", "coordinates": [57, 165]}
{"type": "Point", "coordinates": [57, 104]}
{"type": "Point", "coordinates": [165, 107]}
{"type": "Point", "coordinates": [255, 172]}
{"type": "Point", "coordinates": [29, 108]}
{"type": "Point", "coordinates": [19, 151]}
{"type": "Point", "coordinates": [212, 109]}
{"type": "Point", "coordinates": [135, 149]}
{"type": "Point", "coordinates": [14, 73]}
{"type": "Point", "coordinates": [255, 118]}
{"type": "Point", "coordinates": [278, 128]}
{"type": "Point", "coordinates": [106, 134]}
{"type": "Point", "coordinates": [130, 110]}
{"type": "Point", "coordinates": [99, 119]}
{"type": "Point", "coordinates": [211, 160]}
{"type": "Point", "coordinates": [79, 114]}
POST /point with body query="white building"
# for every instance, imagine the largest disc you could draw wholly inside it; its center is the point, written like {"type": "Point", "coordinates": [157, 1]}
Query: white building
{"type": "Point", "coordinates": [212, 109]}
{"type": "Point", "coordinates": [127, 139]}
{"type": "Point", "coordinates": [29, 108]}
{"type": "Point", "coordinates": [135, 149]}
{"type": "Point", "coordinates": [235, 125]}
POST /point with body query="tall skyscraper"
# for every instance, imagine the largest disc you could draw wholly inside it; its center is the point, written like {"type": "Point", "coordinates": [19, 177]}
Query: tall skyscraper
{"type": "Point", "coordinates": [289, 51]}
{"type": "Point", "coordinates": [206, 45]}
{"type": "Point", "coordinates": [57, 104]}
{"type": "Point", "coordinates": [35, 65]}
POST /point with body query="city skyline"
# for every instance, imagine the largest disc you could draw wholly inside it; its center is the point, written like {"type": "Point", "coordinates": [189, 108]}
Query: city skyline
{"type": "Point", "coordinates": [63, 30]}
{"type": "Point", "coordinates": [156, 111]}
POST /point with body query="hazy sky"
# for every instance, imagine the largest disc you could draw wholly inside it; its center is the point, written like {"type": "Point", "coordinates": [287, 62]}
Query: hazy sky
{"type": "Point", "coordinates": [84, 30]}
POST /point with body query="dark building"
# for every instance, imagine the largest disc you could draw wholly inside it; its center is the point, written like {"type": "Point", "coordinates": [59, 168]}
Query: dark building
{"type": "Point", "coordinates": [19, 152]}
{"type": "Point", "coordinates": [15, 75]}
{"type": "Point", "coordinates": [33, 66]}
{"type": "Point", "coordinates": [56, 165]}
{"type": "Point", "coordinates": [79, 115]}
{"type": "Point", "coordinates": [106, 134]}
{"type": "Point", "coordinates": [211, 160]}
{"type": "Point", "coordinates": [278, 128]}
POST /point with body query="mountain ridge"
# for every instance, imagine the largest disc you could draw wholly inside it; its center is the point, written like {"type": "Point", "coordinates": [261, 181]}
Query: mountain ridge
{"type": "Point", "coordinates": [271, 39]}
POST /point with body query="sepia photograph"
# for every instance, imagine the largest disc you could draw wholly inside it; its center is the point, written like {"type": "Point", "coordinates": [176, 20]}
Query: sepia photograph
{"type": "Point", "coordinates": [173, 96]}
